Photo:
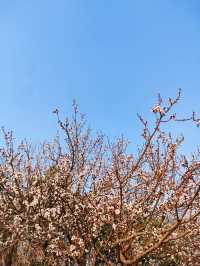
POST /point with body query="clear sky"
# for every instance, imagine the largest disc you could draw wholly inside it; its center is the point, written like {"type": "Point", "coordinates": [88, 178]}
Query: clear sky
{"type": "Point", "coordinates": [112, 56]}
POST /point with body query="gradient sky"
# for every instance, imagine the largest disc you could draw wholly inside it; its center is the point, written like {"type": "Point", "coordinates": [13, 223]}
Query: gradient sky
{"type": "Point", "coordinates": [112, 56]}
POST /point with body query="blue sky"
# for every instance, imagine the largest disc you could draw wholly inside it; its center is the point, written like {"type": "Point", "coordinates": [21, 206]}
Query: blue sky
{"type": "Point", "coordinates": [113, 57]}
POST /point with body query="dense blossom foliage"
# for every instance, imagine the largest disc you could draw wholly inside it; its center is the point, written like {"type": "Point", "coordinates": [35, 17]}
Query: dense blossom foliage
{"type": "Point", "coordinates": [83, 200]}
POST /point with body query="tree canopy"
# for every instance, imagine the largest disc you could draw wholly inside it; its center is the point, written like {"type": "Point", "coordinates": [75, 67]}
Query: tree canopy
{"type": "Point", "coordinates": [84, 200]}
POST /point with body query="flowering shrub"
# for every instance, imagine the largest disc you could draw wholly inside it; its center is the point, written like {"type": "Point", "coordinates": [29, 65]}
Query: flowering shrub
{"type": "Point", "coordinates": [82, 200]}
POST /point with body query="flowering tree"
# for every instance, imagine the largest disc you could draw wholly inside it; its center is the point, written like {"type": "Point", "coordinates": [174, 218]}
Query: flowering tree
{"type": "Point", "coordinates": [82, 200]}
